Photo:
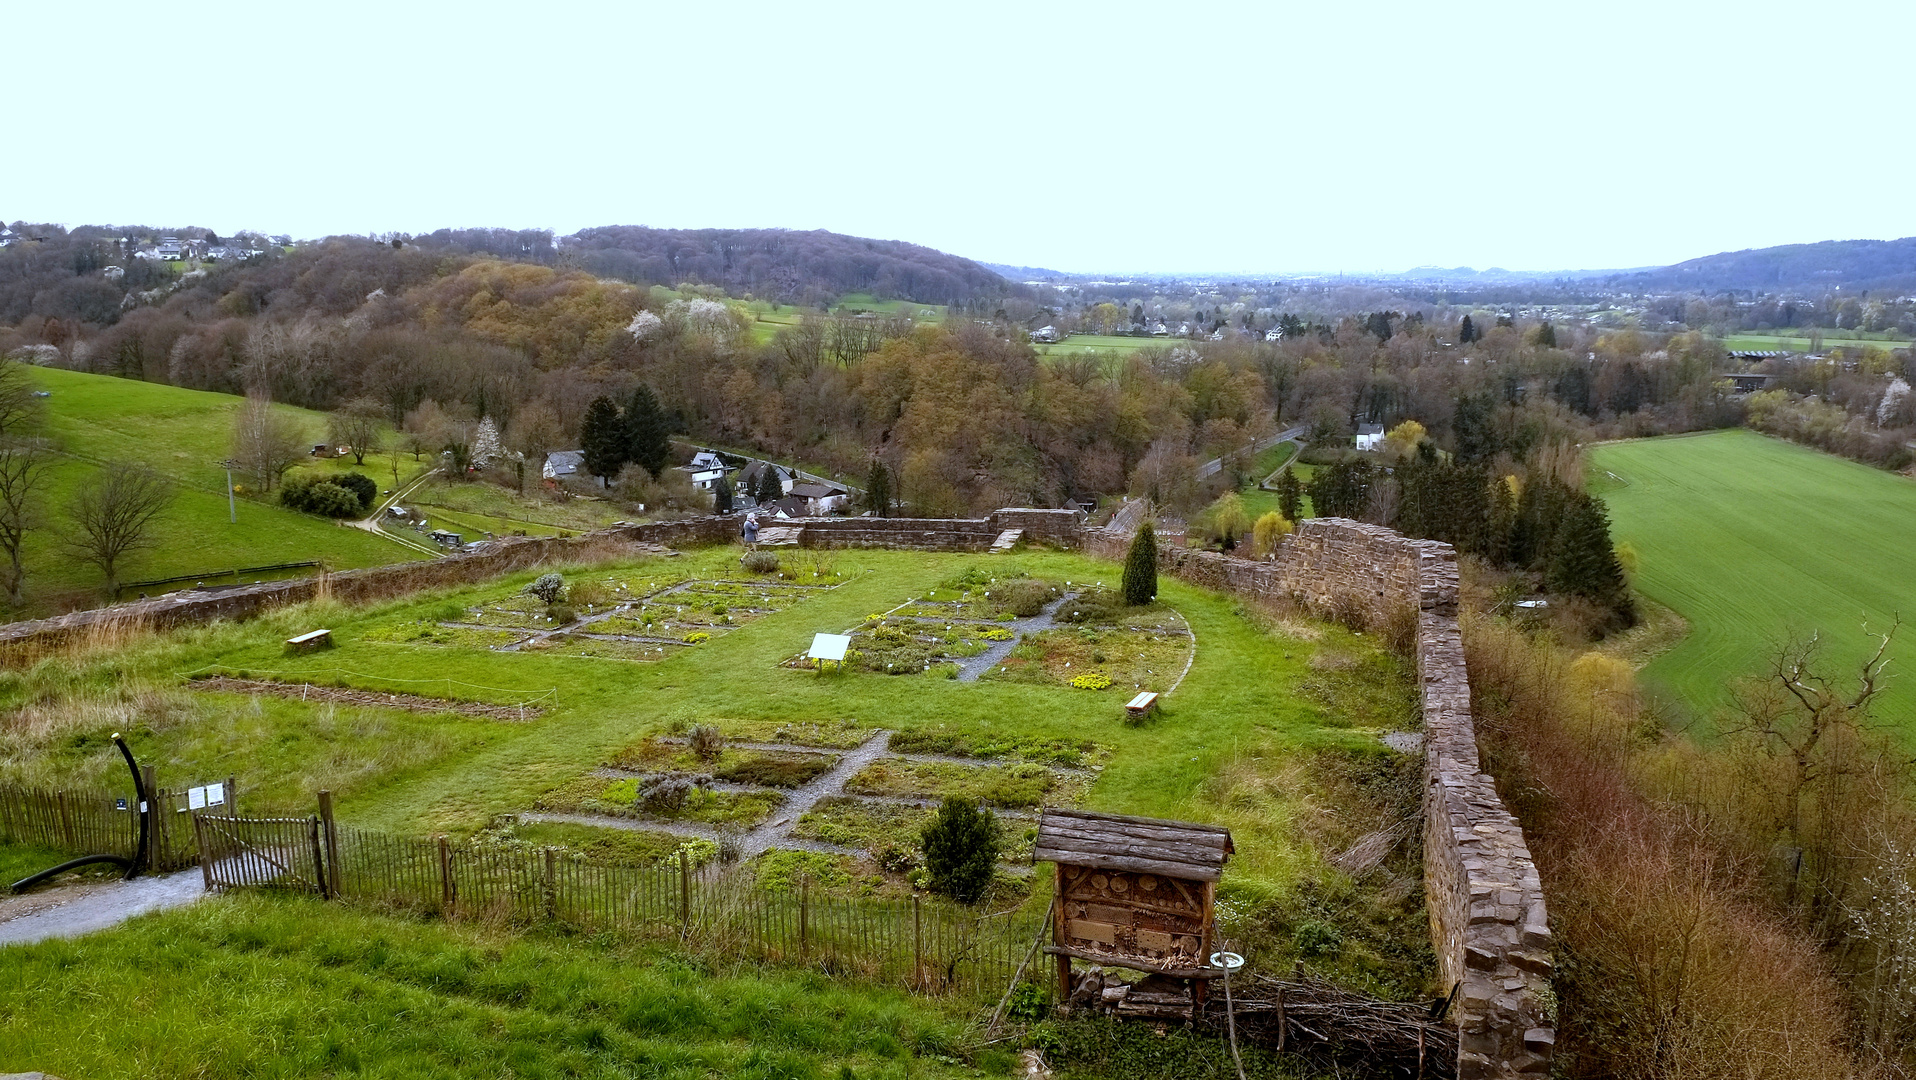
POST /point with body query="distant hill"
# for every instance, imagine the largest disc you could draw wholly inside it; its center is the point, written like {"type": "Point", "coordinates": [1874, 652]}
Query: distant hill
{"type": "Point", "coordinates": [1888, 265]}
{"type": "Point", "coordinates": [1028, 273]}
{"type": "Point", "coordinates": [782, 264]}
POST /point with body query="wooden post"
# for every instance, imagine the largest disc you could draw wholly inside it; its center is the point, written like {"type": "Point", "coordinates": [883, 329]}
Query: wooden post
{"type": "Point", "coordinates": [1280, 1024]}
{"type": "Point", "coordinates": [1057, 935]}
{"type": "Point", "coordinates": [332, 840]}
{"type": "Point", "coordinates": [685, 893]}
{"type": "Point", "coordinates": [1201, 988]}
{"type": "Point", "coordinates": [232, 797]}
{"type": "Point", "coordinates": [319, 859]}
{"type": "Point", "coordinates": [448, 892]}
{"type": "Point", "coordinates": [917, 942]}
{"type": "Point", "coordinates": [804, 914]}
{"type": "Point", "coordinates": [551, 884]}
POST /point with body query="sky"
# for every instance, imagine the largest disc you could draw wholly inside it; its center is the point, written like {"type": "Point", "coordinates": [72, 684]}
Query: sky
{"type": "Point", "coordinates": [1338, 136]}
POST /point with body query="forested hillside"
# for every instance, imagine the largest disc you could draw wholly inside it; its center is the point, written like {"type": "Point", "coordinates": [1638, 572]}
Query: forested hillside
{"type": "Point", "coordinates": [1852, 264]}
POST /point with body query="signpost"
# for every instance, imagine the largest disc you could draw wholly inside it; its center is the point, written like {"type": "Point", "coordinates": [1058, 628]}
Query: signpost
{"type": "Point", "coordinates": [829, 647]}
{"type": "Point", "coordinates": [232, 508]}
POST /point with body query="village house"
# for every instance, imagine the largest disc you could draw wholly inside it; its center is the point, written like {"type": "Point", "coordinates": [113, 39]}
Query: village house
{"type": "Point", "coordinates": [820, 499]}
{"type": "Point", "coordinates": [563, 465]}
{"type": "Point", "coordinates": [1370, 436]}
{"type": "Point", "coordinates": [705, 470]}
{"type": "Point", "coordinates": [748, 479]}
{"type": "Point", "coordinates": [1044, 335]}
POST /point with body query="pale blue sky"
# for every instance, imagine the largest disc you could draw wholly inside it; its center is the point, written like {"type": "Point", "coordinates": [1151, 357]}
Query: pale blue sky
{"type": "Point", "coordinates": [1094, 137]}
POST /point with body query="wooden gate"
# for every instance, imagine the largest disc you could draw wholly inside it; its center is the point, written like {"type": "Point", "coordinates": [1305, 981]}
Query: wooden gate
{"type": "Point", "coordinates": [279, 852]}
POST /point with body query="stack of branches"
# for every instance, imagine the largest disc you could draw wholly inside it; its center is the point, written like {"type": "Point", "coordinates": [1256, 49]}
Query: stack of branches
{"type": "Point", "coordinates": [1339, 1029]}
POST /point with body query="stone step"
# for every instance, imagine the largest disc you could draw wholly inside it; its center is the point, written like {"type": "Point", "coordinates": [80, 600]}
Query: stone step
{"type": "Point", "coordinates": [1007, 539]}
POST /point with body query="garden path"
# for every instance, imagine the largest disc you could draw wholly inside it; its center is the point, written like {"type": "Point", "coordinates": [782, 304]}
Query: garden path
{"type": "Point", "coordinates": [970, 669]}
{"type": "Point", "coordinates": [82, 909]}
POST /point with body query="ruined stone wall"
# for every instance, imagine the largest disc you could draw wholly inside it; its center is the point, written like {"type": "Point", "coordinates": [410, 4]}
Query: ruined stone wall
{"type": "Point", "coordinates": [915, 534]}
{"type": "Point", "coordinates": [1486, 901]}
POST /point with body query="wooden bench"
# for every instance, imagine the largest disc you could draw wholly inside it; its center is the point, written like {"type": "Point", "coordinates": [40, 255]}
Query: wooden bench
{"type": "Point", "coordinates": [311, 639]}
{"type": "Point", "coordinates": [1140, 707]}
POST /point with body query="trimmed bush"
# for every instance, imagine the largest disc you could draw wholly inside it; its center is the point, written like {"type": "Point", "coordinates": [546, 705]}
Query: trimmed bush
{"type": "Point", "coordinates": [760, 562]}
{"type": "Point", "coordinates": [1141, 567]}
{"type": "Point", "coordinates": [961, 850]}
{"type": "Point", "coordinates": [360, 485]}
{"type": "Point", "coordinates": [322, 497]}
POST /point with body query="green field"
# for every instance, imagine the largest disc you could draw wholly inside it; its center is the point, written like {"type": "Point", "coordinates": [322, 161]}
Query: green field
{"type": "Point", "coordinates": [1101, 345]}
{"type": "Point", "coordinates": [1752, 539]}
{"type": "Point", "coordinates": [1799, 341]}
{"type": "Point", "coordinates": [183, 434]}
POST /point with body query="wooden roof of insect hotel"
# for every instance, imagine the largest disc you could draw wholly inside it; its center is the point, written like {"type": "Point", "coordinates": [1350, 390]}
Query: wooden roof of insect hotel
{"type": "Point", "coordinates": [1179, 849]}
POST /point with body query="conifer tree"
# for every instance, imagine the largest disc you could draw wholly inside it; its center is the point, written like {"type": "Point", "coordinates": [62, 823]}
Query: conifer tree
{"type": "Point", "coordinates": [1583, 561]}
{"type": "Point", "coordinates": [1467, 332]}
{"type": "Point", "coordinates": [1547, 335]}
{"type": "Point", "coordinates": [878, 490]}
{"type": "Point", "coordinates": [1503, 514]}
{"type": "Point", "coordinates": [722, 494]}
{"type": "Point", "coordinates": [961, 849]}
{"type": "Point", "coordinates": [1290, 495]}
{"type": "Point", "coordinates": [766, 488]}
{"type": "Point", "coordinates": [647, 442]}
{"type": "Point", "coordinates": [602, 439]}
{"type": "Point", "coordinates": [1140, 585]}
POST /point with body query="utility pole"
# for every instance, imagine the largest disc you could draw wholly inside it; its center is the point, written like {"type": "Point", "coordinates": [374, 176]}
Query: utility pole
{"type": "Point", "coordinates": [232, 508]}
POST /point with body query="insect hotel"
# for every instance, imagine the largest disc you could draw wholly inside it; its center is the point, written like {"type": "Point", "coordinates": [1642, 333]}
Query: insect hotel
{"type": "Point", "coordinates": [1136, 893]}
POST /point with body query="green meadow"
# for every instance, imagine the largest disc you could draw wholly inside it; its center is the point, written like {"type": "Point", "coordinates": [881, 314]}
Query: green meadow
{"type": "Point", "coordinates": [1754, 540]}
{"type": "Point", "coordinates": [1799, 341]}
{"type": "Point", "coordinates": [183, 434]}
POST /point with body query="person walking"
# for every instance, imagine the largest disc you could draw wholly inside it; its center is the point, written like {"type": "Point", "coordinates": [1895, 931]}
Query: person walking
{"type": "Point", "coordinates": [751, 532]}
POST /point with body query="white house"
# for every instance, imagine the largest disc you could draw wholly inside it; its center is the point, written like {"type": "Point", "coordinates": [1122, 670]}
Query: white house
{"type": "Point", "coordinates": [1370, 436]}
{"type": "Point", "coordinates": [705, 470]}
{"type": "Point", "coordinates": [821, 499]}
{"type": "Point", "coordinates": [564, 464]}
{"type": "Point", "coordinates": [1044, 335]}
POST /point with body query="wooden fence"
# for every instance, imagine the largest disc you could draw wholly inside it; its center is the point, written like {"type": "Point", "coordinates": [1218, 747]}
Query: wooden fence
{"type": "Point", "coordinates": [100, 823]}
{"type": "Point", "coordinates": [922, 944]}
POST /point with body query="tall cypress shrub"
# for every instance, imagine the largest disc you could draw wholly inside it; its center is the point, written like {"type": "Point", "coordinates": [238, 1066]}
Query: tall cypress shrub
{"type": "Point", "coordinates": [878, 490]}
{"type": "Point", "coordinates": [1141, 567]}
{"type": "Point", "coordinates": [602, 439]}
{"type": "Point", "coordinates": [647, 442]}
{"type": "Point", "coordinates": [961, 849]}
{"type": "Point", "coordinates": [1290, 495]}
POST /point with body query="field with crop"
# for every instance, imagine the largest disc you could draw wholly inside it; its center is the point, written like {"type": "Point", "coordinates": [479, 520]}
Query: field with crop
{"type": "Point", "coordinates": [1799, 340]}
{"type": "Point", "coordinates": [1752, 539]}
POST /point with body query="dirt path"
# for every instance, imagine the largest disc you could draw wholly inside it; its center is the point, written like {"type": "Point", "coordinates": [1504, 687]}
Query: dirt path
{"type": "Point", "coordinates": [803, 798]}
{"type": "Point", "coordinates": [82, 909]}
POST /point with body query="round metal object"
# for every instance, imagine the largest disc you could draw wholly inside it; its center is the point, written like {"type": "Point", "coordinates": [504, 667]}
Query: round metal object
{"type": "Point", "coordinates": [1229, 961]}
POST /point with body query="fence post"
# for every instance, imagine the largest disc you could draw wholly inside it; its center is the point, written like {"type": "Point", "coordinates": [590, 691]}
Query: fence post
{"type": "Point", "coordinates": [804, 914]}
{"type": "Point", "coordinates": [447, 894]}
{"type": "Point", "coordinates": [332, 841]}
{"type": "Point", "coordinates": [319, 858]}
{"type": "Point", "coordinates": [917, 942]}
{"type": "Point", "coordinates": [232, 797]}
{"type": "Point", "coordinates": [685, 893]}
{"type": "Point", "coordinates": [551, 884]}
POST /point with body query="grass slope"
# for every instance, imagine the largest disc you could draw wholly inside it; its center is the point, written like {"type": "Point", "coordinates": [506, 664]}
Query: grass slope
{"type": "Point", "coordinates": [1800, 340]}
{"type": "Point", "coordinates": [183, 434]}
{"type": "Point", "coordinates": [1751, 538]}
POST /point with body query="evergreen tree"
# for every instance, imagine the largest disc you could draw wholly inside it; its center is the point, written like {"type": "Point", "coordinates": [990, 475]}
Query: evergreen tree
{"type": "Point", "coordinates": [602, 439]}
{"type": "Point", "coordinates": [1583, 562]}
{"type": "Point", "coordinates": [647, 440]}
{"type": "Point", "coordinates": [1467, 332]}
{"type": "Point", "coordinates": [1547, 335]}
{"type": "Point", "coordinates": [1290, 495]}
{"type": "Point", "coordinates": [1475, 427]}
{"type": "Point", "coordinates": [722, 494]}
{"type": "Point", "coordinates": [766, 487]}
{"type": "Point", "coordinates": [878, 489]}
{"type": "Point", "coordinates": [961, 849]}
{"type": "Point", "coordinates": [1140, 584]}
{"type": "Point", "coordinates": [1503, 515]}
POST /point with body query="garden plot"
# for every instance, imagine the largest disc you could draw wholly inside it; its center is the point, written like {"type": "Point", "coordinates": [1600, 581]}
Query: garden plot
{"type": "Point", "coordinates": [867, 793]}
{"type": "Point", "coordinates": [898, 645]}
{"type": "Point", "coordinates": [615, 618]}
{"type": "Point", "coordinates": [1102, 644]}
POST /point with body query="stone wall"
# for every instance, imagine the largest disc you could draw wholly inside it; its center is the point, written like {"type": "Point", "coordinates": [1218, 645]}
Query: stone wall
{"type": "Point", "coordinates": [1062, 527]}
{"type": "Point", "coordinates": [1486, 901]}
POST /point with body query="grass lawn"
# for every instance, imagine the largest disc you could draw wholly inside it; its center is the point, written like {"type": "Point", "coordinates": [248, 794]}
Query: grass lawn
{"type": "Point", "coordinates": [1109, 347]}
{"type": "Point", "coordinates": [1751, 539]}
{"type": "Point", "coordinates": [183, 434]}
{"type": "Point", "coordinates": [263, 986]}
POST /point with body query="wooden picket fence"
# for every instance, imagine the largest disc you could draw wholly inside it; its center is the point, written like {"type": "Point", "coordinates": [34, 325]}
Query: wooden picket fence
{"type": "Point", "coordinates": [922, 944]}
{"type": "Point", "coordinates": [99, 823]}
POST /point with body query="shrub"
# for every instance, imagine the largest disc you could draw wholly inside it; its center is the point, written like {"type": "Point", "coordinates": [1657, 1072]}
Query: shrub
{"type": "Point", "coordinates": [563, 614]}
{"type": "Point", "coordinates": [322, 497]}
{"type": "Point", "coordinates": [997, 633]}
{"type": "Point", "coordinates": [760, 562]}
{"type": "Point", "coordinates": [894, 857]}
{"type": "Point", "coordinates": [697, 637]}
{"type": "Point", "coordinates": [1092, 680]}
{"type": "Point", "coordinates": [1093, 607]}
{"type": "Point", "coordinates": [1141, 567]}
{"type": "Point", "coordinates": [1023, 597]}
{"type": "Point", "coordinates": [776, 769]}
{"type": "Point", "coordinates": [667, 794]}
{"type": "Point", "coordinates": [1270, 528]}
{"type": "Point", "coordinates": [360, 485]}
{"type": "Point", "coordinates": [549, 587]}
{"type": "Point", "coordinates": [706, 742]}
{"type": "Point", "coordinates": [961, 849]}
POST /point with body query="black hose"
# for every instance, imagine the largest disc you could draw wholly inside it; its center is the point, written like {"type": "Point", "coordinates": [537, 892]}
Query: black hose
{"type": "Point", "coordinates": [138, 862]}
{"type": "Point", "coordinates": [31, 880]}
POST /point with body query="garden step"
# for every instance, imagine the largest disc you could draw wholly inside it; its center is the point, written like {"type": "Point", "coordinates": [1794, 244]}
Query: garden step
{"type": "Point", "coordinates": [1007, 539]}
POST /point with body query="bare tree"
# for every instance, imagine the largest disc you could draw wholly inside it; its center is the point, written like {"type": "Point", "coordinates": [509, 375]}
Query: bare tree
{"type": "Point", "coordinates": [357, 426]}
{"type": "Point", "coordinates": [266, 441]}
{"type": "Point", "coordinates": [25, 466]}
{"type": "Point", "coordinates": [113, 515]}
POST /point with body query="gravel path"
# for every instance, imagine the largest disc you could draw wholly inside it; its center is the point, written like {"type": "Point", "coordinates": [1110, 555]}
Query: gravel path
{"type": "Point", "coordinates": [82, 909]}
{"type": "Point", "coordinates": [969, 670]}
{"type": "Point", "coordinates": [831, 782]}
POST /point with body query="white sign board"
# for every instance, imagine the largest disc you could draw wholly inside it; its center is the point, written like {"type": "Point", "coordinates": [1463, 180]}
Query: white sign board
{"type": "Point", "coordinates": [210, 795]}
{"type": "Point", "coordinates": [830, 646]}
